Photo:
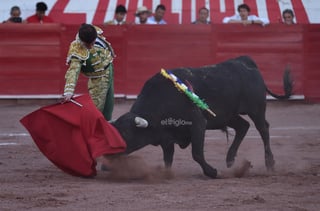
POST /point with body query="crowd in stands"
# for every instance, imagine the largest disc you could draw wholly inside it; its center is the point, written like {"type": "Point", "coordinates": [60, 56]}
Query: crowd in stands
{"type": "Point", "coordinates": [145, 16]}
{"type": "Point", "coordinates": [39, 16]}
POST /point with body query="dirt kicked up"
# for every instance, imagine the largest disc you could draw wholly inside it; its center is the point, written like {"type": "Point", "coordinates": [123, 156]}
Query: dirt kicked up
{"type": "Point", "coordinates": [140, 182]}
{"type": "Point", "coordinates": [126, 168]}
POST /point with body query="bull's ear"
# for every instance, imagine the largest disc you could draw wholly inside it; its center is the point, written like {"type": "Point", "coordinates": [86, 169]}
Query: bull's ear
{"type": "Point", "coordinates": [140, 122]}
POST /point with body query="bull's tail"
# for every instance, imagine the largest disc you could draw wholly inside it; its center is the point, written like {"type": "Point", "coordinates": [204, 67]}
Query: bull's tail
{"type": "Point", "coordinates": [287, 86]}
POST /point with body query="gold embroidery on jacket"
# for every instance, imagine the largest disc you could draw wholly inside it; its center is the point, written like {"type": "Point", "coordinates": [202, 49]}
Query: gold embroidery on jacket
{"type": "Point", "coordinates": [93, 63]}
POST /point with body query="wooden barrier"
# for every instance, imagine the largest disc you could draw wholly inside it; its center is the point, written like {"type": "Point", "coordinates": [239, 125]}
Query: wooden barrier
{"type": "Point", "coordinates": [311, 66]}
{"type": "Point", "coordinates": [32, 57]}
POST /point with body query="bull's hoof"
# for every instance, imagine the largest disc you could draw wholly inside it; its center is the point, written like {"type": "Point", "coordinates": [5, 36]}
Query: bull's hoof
{"type": "Point", "coordinates": [270, 163]}
{"type": "Point", "coordinates": [211, 173]}
{"type": "Point", "coordinates": [230, 158]}
{"type": "Point", "coordinates": [230, 163]}
{"type": "Point", "coordinates": [104, 167]}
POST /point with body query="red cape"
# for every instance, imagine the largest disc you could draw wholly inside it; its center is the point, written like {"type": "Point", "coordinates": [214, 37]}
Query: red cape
{"type": "Point", "coordinates": [71, 136]}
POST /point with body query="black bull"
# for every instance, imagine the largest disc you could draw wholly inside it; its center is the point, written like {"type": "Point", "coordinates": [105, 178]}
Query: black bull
{"type": "Point", "coordinates": [231, 88]}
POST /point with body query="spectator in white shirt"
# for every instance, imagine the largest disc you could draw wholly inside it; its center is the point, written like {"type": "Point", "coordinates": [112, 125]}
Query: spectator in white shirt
{"type": "Point", "coordinates": [157, 18]}
{"type": "Point", "coordinates": [245, 18]}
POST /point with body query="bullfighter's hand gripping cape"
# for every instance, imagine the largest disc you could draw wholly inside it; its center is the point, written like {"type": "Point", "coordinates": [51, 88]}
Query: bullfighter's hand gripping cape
{"type": "Point", "coordinates": [72, 135]}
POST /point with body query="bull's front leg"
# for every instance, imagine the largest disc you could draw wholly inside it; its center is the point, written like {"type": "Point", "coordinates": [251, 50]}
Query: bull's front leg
{"type": "Point", "coordinates": [198, 154]}
{"type": "Point", "coordinates": [241, 127]}
{"type": "Point", "coordinates": [168, 151]}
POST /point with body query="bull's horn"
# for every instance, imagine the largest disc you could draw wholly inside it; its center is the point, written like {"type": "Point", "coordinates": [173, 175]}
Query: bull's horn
{"type": "Point", "coordinates": [140, 122]}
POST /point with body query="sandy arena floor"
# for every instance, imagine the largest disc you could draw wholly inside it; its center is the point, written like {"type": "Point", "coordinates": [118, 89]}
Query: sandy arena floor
{"type": "Point", "coordinates": [29, 181]}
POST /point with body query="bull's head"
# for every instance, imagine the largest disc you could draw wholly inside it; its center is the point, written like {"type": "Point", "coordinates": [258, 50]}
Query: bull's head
{"type": "Point", "coordinates": [135, 131]}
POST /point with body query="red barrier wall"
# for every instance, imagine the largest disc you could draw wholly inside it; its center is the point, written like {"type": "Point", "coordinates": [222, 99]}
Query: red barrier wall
{"type": "Point", "coordinates": [32, 57]}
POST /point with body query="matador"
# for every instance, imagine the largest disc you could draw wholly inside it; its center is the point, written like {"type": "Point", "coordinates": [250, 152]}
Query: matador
{"type": "Point", "coordinates": [92, 55]}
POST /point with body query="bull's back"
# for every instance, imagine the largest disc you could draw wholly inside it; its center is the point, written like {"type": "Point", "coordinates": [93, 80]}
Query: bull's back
{"type": "Point", "coordinates": [229, 88]}
{"type": "Point", "coordinates": [226, 80]}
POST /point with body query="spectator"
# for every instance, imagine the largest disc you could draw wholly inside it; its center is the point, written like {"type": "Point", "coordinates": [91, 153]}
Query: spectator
{"type": "Point", "coordinates": [119, 18]}
{"type": "Point", "coordinates": [203, 15]}
{"type": "Point", "coordinates": [288, 17]}
{"type": "Point", "coordinates": [143, 13]}
{"type": "Point", "coordinates": [91, 54]}
{"type": "Point", "coordinates": [245, 18]}
{"type": "Point", "coordinates": [15, 13]}
{"type": "Point", "coordinates": [157, 18]}
{"type": "Point", "coordinates": [39, 16]}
